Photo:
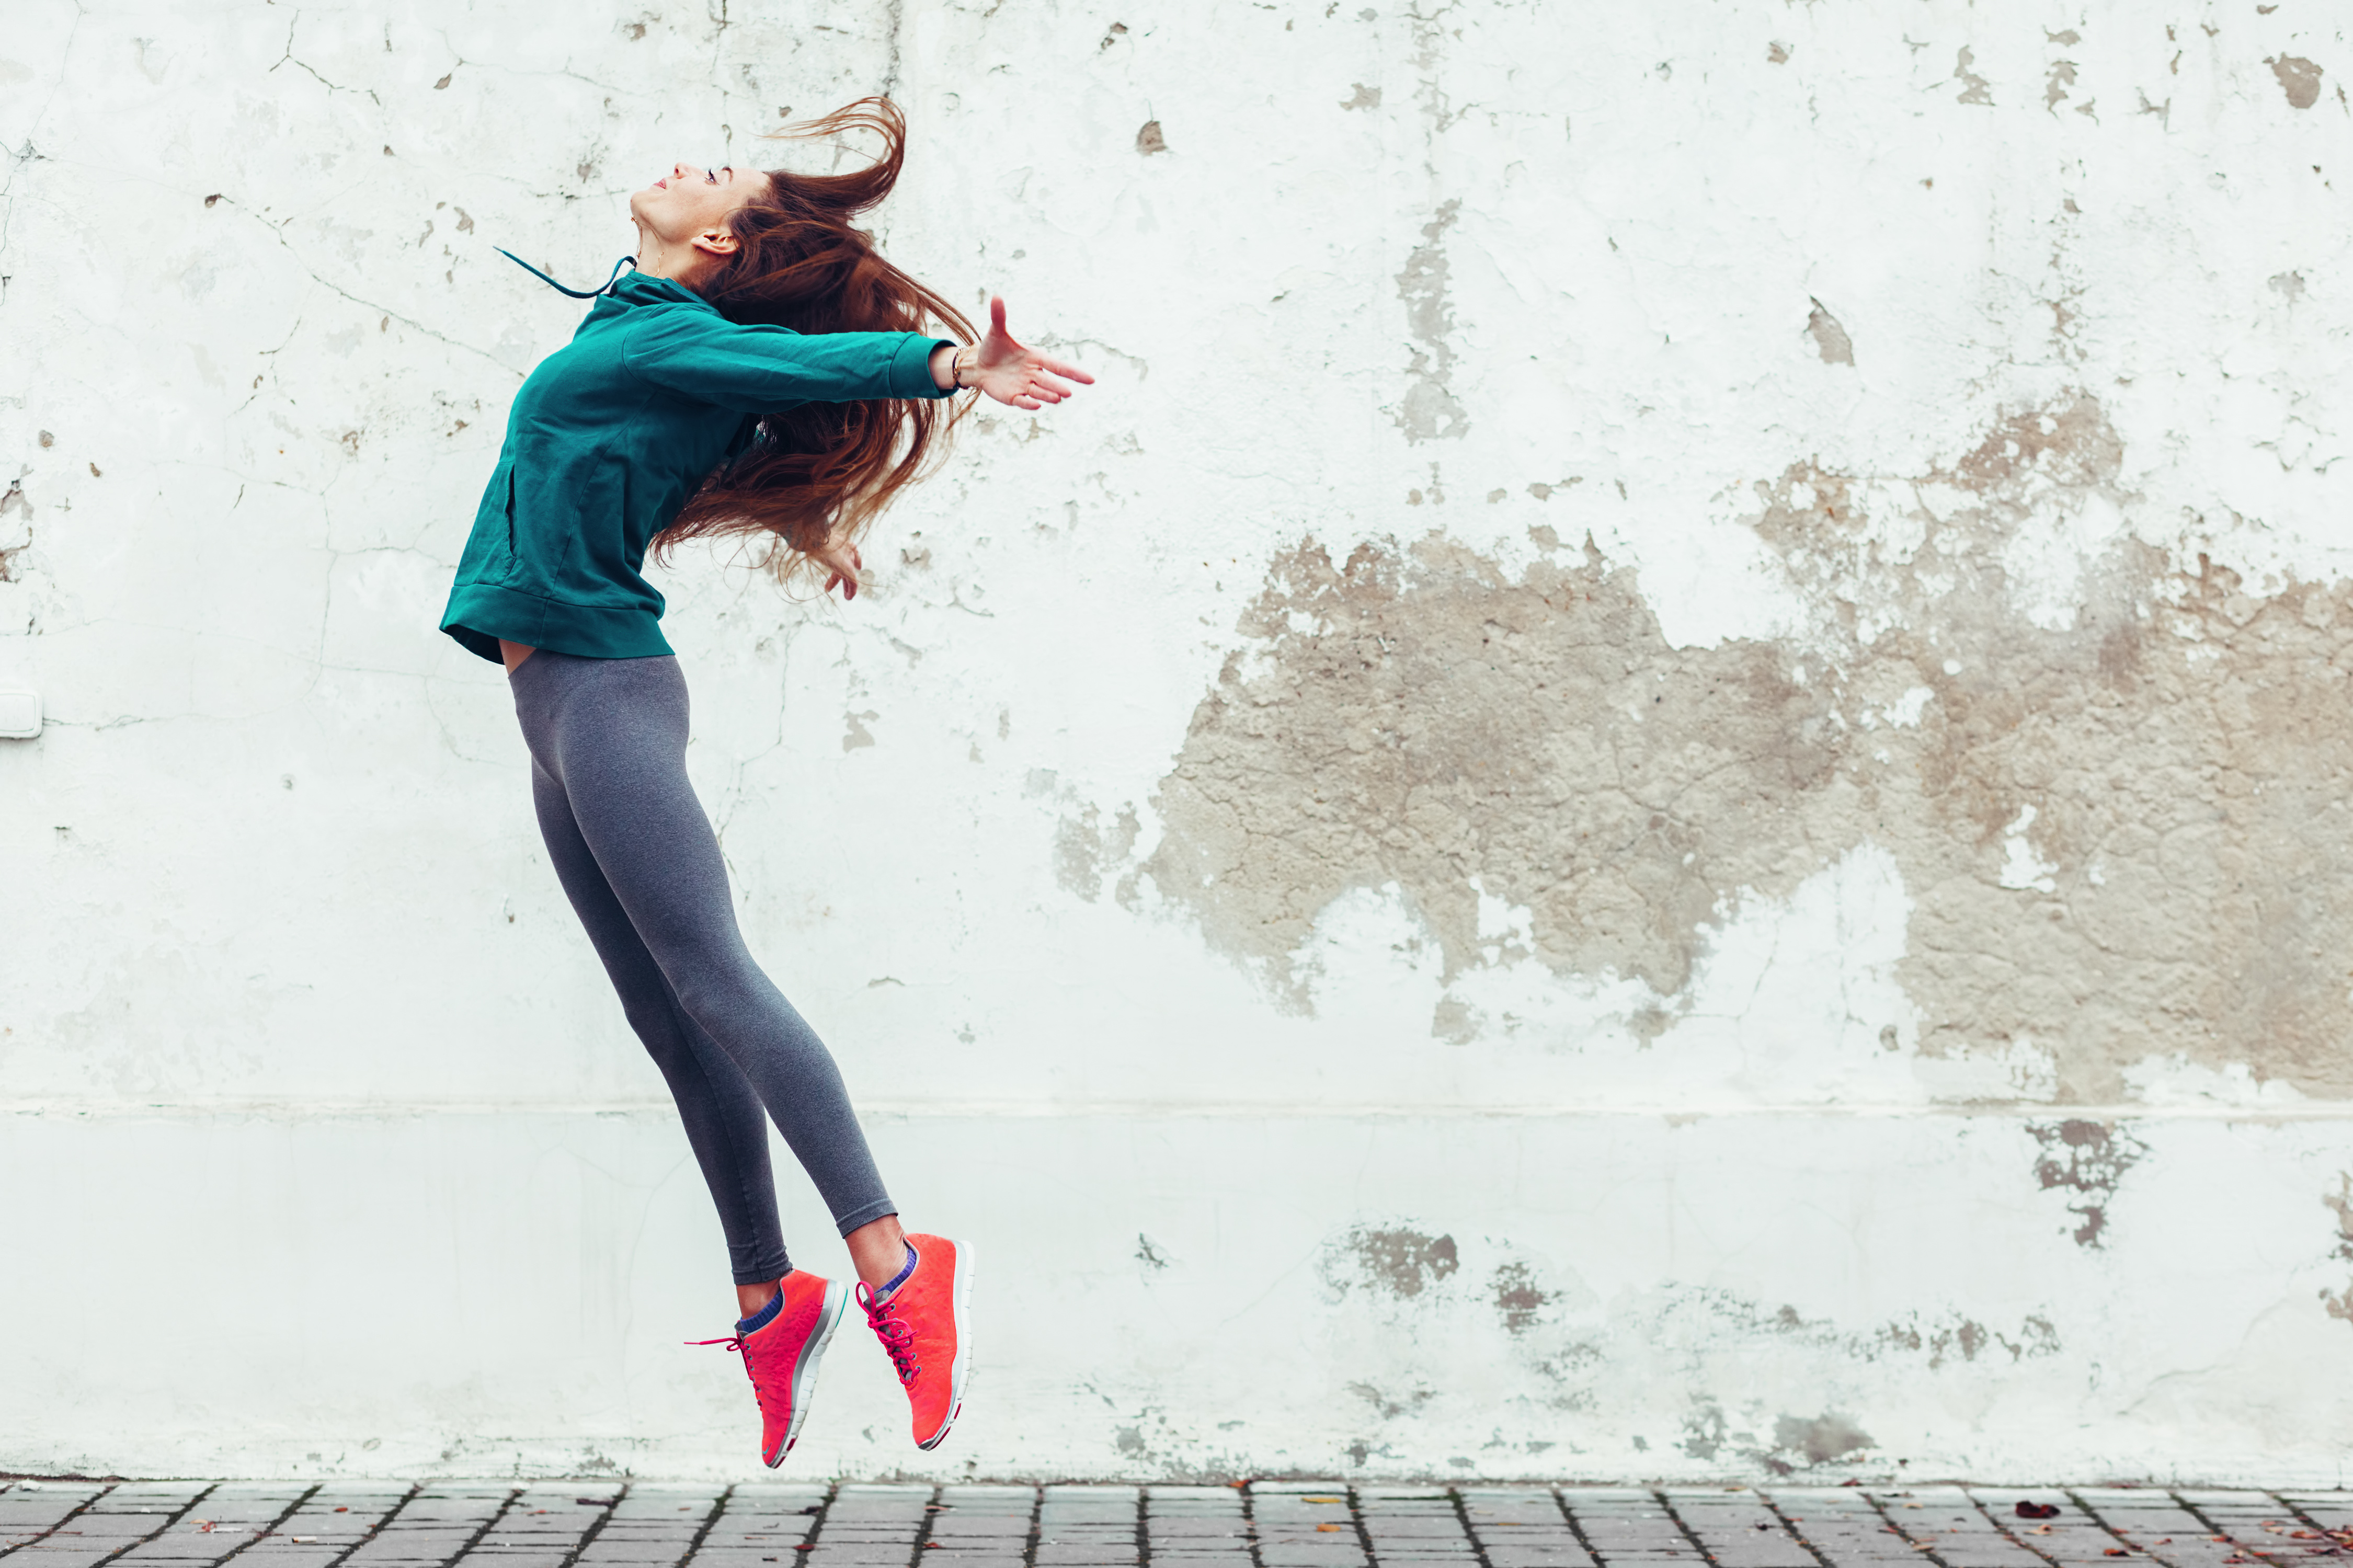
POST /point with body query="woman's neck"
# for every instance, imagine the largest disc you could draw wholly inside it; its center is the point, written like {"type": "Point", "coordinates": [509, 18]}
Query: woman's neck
{"type": "Point", "coordinates": [681, 264]}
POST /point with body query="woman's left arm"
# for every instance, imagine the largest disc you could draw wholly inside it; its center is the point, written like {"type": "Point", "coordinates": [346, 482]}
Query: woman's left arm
{"type": "Point", "coordinates": [755, 368]}
{"type": "Point", "coordinates": [1003, 369]}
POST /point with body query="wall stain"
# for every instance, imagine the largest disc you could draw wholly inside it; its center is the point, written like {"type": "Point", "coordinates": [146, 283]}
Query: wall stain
{"type": "Point", "coordinates": [2089, 1158]}
{"type": "Point", "coordinates": [1706, 1431]}
{"type": "Point", "coordinates": [1798, 1441]}
{"type": "Point", "coordinates": [1816, 1440]}
{"type": "Point", "coordinates": [1396, 1262]}
{"type": "Point", "coordinates": [1414, 715]}
{"type": "Point", "coordinates": [1389, 1406]}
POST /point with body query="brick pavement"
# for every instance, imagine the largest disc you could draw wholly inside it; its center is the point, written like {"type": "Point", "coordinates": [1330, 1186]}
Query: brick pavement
{"type": "Point", "coordinates": [1268, 1524]}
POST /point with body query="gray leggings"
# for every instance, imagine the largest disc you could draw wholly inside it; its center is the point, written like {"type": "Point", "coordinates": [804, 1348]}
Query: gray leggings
{"type": "Point", "coordinates": [639, 860]}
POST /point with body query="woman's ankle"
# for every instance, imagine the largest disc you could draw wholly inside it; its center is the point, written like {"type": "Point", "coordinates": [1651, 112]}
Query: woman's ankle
{"type": "Point", "coordinates": [749, 1299]}
{"type": "Point", "coordinates": [878, 1251]}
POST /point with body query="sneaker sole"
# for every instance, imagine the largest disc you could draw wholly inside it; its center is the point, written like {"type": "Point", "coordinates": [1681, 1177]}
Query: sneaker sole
{"type": "Point", "coordinates": [961, 1307]}
{"type": "Point", "coordinates": [837, 1302]}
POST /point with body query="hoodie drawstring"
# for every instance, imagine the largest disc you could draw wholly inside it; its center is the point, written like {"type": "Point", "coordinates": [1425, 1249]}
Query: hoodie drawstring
{"type": "Point", "coordinates": [630, 261]}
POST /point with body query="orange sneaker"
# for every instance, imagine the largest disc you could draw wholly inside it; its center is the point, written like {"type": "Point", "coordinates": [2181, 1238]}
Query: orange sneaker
{"type": "Point", "coordinates": [782, 1355]}
{"type": "Point", "coordinates": [924, 1319]}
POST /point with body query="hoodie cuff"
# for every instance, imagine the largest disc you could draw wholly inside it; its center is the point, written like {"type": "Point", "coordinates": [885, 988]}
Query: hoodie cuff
{"type": "Point", "coordinates": [911, 368]}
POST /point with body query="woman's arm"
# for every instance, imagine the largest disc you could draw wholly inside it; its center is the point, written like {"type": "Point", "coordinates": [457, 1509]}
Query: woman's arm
{"type": "Point", "coordinates": [1003, 369]}
{"type": "Point", "coordinates": [756, 368]}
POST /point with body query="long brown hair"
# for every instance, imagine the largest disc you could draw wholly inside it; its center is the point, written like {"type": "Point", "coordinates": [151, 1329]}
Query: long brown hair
{"type": "Point", "coordinates": [823, 468]}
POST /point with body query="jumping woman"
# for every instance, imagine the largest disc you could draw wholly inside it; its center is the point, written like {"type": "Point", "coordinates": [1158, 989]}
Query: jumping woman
{"type": "Point", "coordinates": [762, 374]}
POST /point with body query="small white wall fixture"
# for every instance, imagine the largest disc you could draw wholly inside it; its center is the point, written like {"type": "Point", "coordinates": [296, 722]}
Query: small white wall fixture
{"type": "Point", "coordinates": [20, 715]}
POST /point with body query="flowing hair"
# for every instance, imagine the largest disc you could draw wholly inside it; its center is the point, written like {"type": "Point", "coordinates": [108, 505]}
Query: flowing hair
{"type": "Point", "coordinates": [823, 469]}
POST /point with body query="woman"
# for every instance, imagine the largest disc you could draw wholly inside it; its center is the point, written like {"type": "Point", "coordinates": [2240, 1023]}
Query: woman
{"type": "Point", "coordinates": [762, 374]}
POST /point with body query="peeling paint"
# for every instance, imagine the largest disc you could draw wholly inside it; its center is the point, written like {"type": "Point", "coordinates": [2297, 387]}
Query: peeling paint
{"type": "Point", "coordinates": [2074, 812]}
{"type": "Point", "coordinates": [2087, 1158]}
{"type": "Point", "coordinates": [1396, 1262]}
{"type": "Point", "coordinates": [1830, 338]}
{"type": "Point", "coordinates": [1518, 1302]}
{"type": "Point", "coordinates": [1430, 411]}
{"type": "Point", "coordinates": [2299, 79]}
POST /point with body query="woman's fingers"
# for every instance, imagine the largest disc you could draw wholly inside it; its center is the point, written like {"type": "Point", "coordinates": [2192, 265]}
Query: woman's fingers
{"type": "Point", "coordinates": [997, 315]}
{"type": "Point", "coordinates": [1058, 368]}
{"type": "Point", "coordinates": [840, 575]}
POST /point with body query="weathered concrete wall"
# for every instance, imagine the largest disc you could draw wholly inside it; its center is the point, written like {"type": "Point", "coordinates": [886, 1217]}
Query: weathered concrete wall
{"type": "Point", "coordinates": [1657, 786]}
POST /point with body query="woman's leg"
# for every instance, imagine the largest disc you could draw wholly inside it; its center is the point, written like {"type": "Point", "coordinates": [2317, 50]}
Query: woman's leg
{"type": "Point", "coordinates": [724, 1124]}
{"type": "Point", "coordinates": [611, 735]}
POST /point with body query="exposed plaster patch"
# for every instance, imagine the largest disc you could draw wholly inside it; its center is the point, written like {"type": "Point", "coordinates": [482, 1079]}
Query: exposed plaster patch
{"type": "Point", "coordinates": [1363, 97]}
{"type": "Point", "coordinates": [1518, 1301]}
{"type": "Point", "coordinates": [1967, 1339]}
{"type": "Point", "coordinates": [1396, 1262]}
{"type": "Point", "coordinates": [1414, 715]}
{"type": "Point", "coordinates": [1975, 88]}
{"type": "Point", "coordinates": [15, 537]}
{"type": "Point", "coordinates": [2298, 78]}
{"type": "Point", "coordinates": [2087, 1158]}
{"type": "Point", "coordinates": [1830, 338]}
{"type": "Point", "coordinates": [1430, 411]}
{"type": "Point", "coordinates": [1150, 139]}
{"type": "Point", "coordinates": [2341, 1203]}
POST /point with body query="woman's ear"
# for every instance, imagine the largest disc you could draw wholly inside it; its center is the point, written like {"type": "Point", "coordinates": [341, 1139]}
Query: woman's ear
{"type": "Point", "coordinates": [715, 242]}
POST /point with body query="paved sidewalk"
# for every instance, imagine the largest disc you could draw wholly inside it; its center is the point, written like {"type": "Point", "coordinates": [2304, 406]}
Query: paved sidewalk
{"type": "Point", "coordinates": [589, 1524]}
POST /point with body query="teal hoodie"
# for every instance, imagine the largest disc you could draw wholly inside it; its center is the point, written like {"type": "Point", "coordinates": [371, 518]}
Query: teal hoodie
{"type": "Point", "coordinates": [609, 438]}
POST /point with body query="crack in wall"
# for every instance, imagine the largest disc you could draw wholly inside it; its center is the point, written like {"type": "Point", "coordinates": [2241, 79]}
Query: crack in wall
{"type": "Point", "coordinates": [1414, 716]}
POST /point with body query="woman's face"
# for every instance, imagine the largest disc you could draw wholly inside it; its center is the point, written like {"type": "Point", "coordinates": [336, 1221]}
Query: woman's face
{"type": "Point", "coordinates": [691, 200]}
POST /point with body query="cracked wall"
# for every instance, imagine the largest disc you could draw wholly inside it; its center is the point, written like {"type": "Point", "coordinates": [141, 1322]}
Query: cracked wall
{"type": "Point", "coordinates": [1654, 788]}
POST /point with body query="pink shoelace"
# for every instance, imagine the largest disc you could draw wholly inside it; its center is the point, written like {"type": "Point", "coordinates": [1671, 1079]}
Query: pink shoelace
{"type": "Point", "coordinates": [898, 1336]}
{"type": "Point", "coordinates": [735, 1343]}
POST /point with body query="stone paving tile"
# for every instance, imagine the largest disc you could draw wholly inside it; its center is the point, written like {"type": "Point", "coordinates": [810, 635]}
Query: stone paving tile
{"type": "Point", "coordinates": [463, 1523]}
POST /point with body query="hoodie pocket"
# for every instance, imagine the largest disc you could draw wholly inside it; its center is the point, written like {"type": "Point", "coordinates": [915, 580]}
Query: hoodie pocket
{"type": "Point", "coordinates": [511, 555]}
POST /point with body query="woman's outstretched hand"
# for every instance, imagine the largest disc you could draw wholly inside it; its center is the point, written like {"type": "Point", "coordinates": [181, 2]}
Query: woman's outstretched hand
{"type": "Point", "coordinates": [842, 561]}
{"type": "Point", "coordinates": [1023, 378]}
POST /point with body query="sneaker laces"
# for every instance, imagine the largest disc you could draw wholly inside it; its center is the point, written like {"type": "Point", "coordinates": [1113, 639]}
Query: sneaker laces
{"type": "Point", "coordinates": [735, 1343]}
{"type": "Point", "coordinates": [898, 1335]}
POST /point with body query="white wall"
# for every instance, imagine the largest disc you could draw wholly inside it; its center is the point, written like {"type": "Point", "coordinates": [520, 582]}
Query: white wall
{"type": "Point", "coordinates": [1654, 788]}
